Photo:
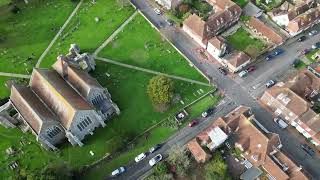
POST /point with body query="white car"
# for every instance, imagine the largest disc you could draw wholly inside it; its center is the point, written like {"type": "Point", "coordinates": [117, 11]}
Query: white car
{"type": "Point", "coordinates": [118, 171]}
{"type": "Point", "coordinates": [270, 83]}
{"type": "Point", "coordinates": [140, 157]}
{"type": "Point", "coordinates": [157, 11]}
{"type": "Point", "coordinates": [155, 160]}
{"type": "Point", "coordinates": [243, 73]}
{"type": "Point", "coordinates": [313, 32]}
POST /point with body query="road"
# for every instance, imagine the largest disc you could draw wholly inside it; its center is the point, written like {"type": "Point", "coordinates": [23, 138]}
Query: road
{"type": "Point", "coordinates": [240, 91]}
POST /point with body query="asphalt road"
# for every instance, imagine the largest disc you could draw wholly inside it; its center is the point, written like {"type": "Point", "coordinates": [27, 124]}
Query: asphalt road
{"type": "Point", "coordinates": [238, 91]}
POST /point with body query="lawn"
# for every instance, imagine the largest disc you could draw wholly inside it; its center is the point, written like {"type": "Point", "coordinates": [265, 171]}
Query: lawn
{"type": "Point", "coordinates": [241, 3]}
{"type": "Point", "coordinates": [309, 55]}
{"type": "Point", "coordinates": [128, 89]}
{"type": "Point", "coordinates": [242, 40]}
{"type": "Point", "coordinates": [25, 35]}
{"type": "Point", "coordinates": [155, 136]}
{"type": "Point", "coordinates": [4, 91]}
{"type": "Point", "coordinates": [141, 45]}
{"type": "Point", "coordinates": [85, 31]}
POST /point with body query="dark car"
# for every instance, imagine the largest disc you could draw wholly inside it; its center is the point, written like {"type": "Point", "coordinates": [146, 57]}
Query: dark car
{"type": "Point", "coordinates": [222, 70]}
{"type": "Point", "coordinates": [308, 150]}
{"type": "Point", "coordinates": [302, 38]}
{"type": "Point", "coordinates": [207, 112]}
{"type": "Point", "coordinates": [193, 123]}
{"type": "Point", "coordinates": [269, 57]}
{"type": "Point", "coordinates": [295, 63]}
{"type": "Point", "coordinates": [251, 69]}
{"type": "Point", "coordinates": [154, 148]}
{"type": "Point", "coordinates": [278, 52]}
{"type": "Point", "coordinates": [316, 45]}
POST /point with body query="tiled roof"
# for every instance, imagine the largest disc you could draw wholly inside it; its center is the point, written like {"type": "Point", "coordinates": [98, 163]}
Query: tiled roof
{"type": "Point", "coordinates": [274, 170]}
{"type": "Point", "coordinates": [305, 83]}
{"type": "Point", "coordinates": [304, 20]}
{"type": "Point", "coordinates": [34, 112]}
{"type": "Point", "coordinates": [79, 79]}
{"type": "Point", "coordinates": [265, 30]}
{"type": "Point", "coordinates": [198, 152]}
{"type": "Point", "coordinates": [58, 95]}
{"type": "Point", "coordinates": [217, 42]}
{"type": "Point", "coordinates": [196, 25]}
{"type": "Point", "coordinates": [238, 58]}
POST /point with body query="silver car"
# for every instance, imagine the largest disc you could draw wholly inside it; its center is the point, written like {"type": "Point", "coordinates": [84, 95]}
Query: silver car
{"type": "Point", "coordinates": [155, 160]}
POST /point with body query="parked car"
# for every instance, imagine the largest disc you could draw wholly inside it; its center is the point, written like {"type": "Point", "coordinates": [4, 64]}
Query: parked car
{"type": "Point", "coordinates": [251, 69]}
{"type": "Point", "coordinates": [223, 70]}
{"type": "Point", "coordinates": [243, 73]}
{"type": "Point", "coordinates": [154, 148]}
{"type": "Point", "coordinates": [157, 11]}
{"type": "Point", "coordinates": [278, 52]}
{"type": "Point", "coordinates": [118, 171]}
{"type": "Point", "coordinates": [269, 57]}
{"type": "Point", "coordinates": [316, 45]}
{"type": "Point", "coordinates": [169, 22]}
{"type": "Point", "coordinates": [207, 112]}
{"type": "Point", "coordinates": [155, 160]}
{"type": "Point", "coordinates": [140, 157]}
{"type": "Point", "coordinates": [308, 150]}
{"type": "Point", "coordinates": [193, 123]}
{"type": "Point", "coordinates": [295, 63]}
{"type": "Point", "coordinates": [281, 123]}
{"type": "Point", "coordinates": [270, 83]}
{"type": "Point", "coordinates": [313, 33]}
{"type": "Point", "coordinates": [302, 38]}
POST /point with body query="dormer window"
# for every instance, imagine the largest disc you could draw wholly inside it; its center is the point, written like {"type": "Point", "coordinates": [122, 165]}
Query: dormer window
{"type": "Point", "coordinates": [53, 131]}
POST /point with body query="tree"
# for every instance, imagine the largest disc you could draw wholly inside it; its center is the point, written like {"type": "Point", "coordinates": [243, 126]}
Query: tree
{"type": "Point", "coordinates": [160, 169]}
{"type": "Point", "coordinates": [160, 91]}
{"type": "Point", "coordinates": [179, 159]}
{"type": "Point", "coordinates": [56, 172]}
{"type": "Point", "coordinates": [216, 168]}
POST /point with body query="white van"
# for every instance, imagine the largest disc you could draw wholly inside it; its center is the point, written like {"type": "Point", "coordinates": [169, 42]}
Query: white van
{"type": "Point", "coordinates": [243, 73]}
{"type": "Point", "coordinates": [281, 123]}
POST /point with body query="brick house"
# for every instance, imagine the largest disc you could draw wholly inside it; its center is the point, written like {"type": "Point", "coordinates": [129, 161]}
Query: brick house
{"type": "Point", "coordinates": [289, 101]}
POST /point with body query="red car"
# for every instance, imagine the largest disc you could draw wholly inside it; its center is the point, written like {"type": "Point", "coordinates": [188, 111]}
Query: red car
{"type": "Point", "coordinates": [193, 123]}
{"type": "Point", "coordinates": [251, 69]}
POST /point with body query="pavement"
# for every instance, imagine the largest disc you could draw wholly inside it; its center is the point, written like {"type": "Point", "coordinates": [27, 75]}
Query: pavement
{"type": "Point", "coordinates": [241, 91]}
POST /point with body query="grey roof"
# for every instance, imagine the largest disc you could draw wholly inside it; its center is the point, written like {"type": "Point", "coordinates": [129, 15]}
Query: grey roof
{"type": "Point", "coordinates": [251, 174]}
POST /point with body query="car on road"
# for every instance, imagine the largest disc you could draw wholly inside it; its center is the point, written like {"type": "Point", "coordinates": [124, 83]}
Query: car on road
{"type": "Point", "coordinates": [223, 70]}
{"type": "Point", "coordinates": [313, 33]}
{"type": "Point", "coordinates": [302, 38]}
{"type": "Point", "coordinates": [118, 171]}
{"type": "Point", "coordinates": [155, 160]}
{"type": "Point", "coordinates": [154, 148]}
{"type": "Point", "coordinates": [316, 45]}
{"type": "Point", "coordinates": [140, 157]}
{"type": "Point", "coordinates": [251, 69]}
{"type": "Point", "coordinates": [269, 57]}
{"type": "Point", "coordinates": [270, 83]}
{"type": "Point", "coordinates": [193, 123]}
{"type": "Point", "coordinates": [281, 123]}
{"type": "Point", "coordinates": [308, 150]}
{"type": "Point", "coordinates": [274, 54]}
{"type": "Point", "coordinates": [157, 11]}
{"type": "Point", "coordinates": [243, 73]}
{"type": "Point", "coordinates": [207, 112]}
{"type": "Point", "coordinates": [169, 22]}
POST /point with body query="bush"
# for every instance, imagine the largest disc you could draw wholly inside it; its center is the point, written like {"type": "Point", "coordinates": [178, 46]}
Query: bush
{"type": "Point", "coordinates": [217, 168]}
{"type": "Point", "coordinates": [179, 159]}
{"type": "Point", "coordinates": [160, 169]}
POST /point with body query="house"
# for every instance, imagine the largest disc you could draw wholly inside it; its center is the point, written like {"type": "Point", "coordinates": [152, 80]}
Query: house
{"type": "Point", "coordinates": [217, 47]}
{"type": "Point", "coordinates": [296, 17]}
{"type": "Point", "coordinates": [264, 31]}
{"type": "Point", "coordinates": [169, 4]}
{"type": "Point", "coordinates": [289, 101]}
{"type": "Point", "coordinates": [63, 103]}
{"type": "Point", "coordinates": [237, 61]}
{"type": "Point", "coordinates": [315, 69]}
{"type": "Point", "coordinates": [260, 150]}
{"type": "Point", "coordinates": [226, 14]}
{"type": "Point", "coordinates": [198, 151]}
{"type": "Point", "coordinates": [304, 21]}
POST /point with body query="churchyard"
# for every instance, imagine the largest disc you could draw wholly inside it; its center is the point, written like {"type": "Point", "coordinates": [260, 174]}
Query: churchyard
{"type": "Point", "coordinates": [138, 44]}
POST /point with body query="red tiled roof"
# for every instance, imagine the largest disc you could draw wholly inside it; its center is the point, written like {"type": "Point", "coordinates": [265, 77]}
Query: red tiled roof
{"type": "Point", "coordinates": [198, 152]}
{"type": "Point", "coordinates": [265, 30]}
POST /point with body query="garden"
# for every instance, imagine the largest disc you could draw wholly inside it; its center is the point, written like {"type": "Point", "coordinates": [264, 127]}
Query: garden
{"type": "Point", "coordinates": [242, 40]}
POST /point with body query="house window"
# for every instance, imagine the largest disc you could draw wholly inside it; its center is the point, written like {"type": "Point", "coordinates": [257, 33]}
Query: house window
{"type": "Point", "coordinates": [290, 114]}
{"type": "Point", "coordinates": [287, 118]}
{"type": "Point", "coordinates": [278, 112]}
{"type": "Point", "coordinates": [79, 127]}
{"type": "Point", "coordinates": [308, 129]}
{"type": "Point", "coordinates": [53, 131]}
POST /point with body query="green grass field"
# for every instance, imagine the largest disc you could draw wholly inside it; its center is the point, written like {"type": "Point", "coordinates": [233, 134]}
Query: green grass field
{"type": "Point", "coordinates": [141, 45]}
{"type": "Point", "coordinates": [85, 31]}
{"type": "Point", "coordinates": [243, 41]}
{"type": "Point", "coordinates": [24, 36]}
